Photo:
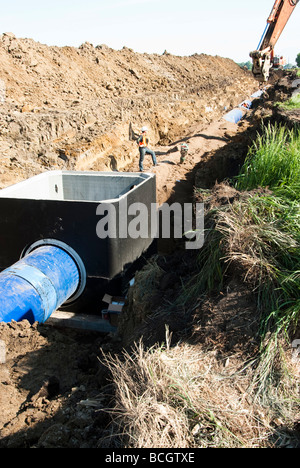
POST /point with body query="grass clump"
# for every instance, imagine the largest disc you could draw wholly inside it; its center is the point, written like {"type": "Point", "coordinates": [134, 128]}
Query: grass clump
{"type": "Point", "coordinates": [258, 238]}
{"type": "Point", "coordinates": [273, 162]}
{"type": "Point", "coordinates": [178, 396]}
{"type": "Point", "coordinates": [261, 237]}
{"type": "Point", "coordinates": [291, 104]}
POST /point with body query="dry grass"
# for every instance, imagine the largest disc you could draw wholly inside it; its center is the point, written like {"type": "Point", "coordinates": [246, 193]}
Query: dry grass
{"type": "Point", "coordinates": [184, 397]}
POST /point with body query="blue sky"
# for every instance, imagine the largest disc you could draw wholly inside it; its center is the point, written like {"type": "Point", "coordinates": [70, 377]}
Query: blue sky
{"type": "Point", "coordinates": [229, 28]}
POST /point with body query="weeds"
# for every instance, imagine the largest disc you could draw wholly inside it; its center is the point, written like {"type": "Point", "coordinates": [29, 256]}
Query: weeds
{"type": "Point", "coordinates": [273, 162]}
{"type": "Point", "coordinates": [262, 238]}
{"type": "Point", "coordinates": [176, 396]}
{"type": "Point", "coordinates": [291, 104]}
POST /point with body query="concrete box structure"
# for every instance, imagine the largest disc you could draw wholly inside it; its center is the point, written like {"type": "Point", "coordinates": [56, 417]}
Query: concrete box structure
{"type": "Point", "coordinates": [60, 208]}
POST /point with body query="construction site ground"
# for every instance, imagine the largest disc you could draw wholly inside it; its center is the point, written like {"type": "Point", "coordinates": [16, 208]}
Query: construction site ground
{"type": "Point", "coordinates": [29, 416]}
{"type": "Point", "coordinates": [54, 387]}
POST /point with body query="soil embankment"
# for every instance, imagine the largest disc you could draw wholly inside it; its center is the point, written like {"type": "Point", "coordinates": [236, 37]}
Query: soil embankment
{"type": "Point", "coordinates": [69, 108]}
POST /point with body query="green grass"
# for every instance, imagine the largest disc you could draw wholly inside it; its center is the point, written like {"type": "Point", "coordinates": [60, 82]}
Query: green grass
{"type": "Point", "coordinates": [273, 162]}
{"type": "Point", "coordinates": [291, 104]}
{"type": "Point", "coordinates": [259, 234]}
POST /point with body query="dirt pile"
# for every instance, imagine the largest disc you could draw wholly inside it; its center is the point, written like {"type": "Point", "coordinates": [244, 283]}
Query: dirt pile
{"type": "Point", "coordinates": [80, 108]}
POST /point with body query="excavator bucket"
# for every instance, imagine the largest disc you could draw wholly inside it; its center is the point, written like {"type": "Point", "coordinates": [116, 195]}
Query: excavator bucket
{"type": "Point", "coordinates": [261, 65]}
{"type": "Point", "coordinates": [264, 55]}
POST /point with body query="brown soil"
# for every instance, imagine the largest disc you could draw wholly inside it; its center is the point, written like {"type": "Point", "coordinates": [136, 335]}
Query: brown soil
{"type": "Point", "coordinates": [69, 108]}
{"type": "Point", "coordinates": [78, 109]}
{"type": "Point", "coordinates": [50, 387]}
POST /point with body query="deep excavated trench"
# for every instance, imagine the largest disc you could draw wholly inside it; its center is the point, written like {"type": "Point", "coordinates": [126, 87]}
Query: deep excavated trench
{"type": "Point", "coordinates": [41, 404]}
{"type": "Point", "coordinates": [69, 108]}
{"type": "Point", "coordinates": [49, 402]}
{"type": "Point", "coordinates": [101, 136]}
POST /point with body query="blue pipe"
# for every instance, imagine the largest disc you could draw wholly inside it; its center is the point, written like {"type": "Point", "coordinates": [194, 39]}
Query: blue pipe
{"type": "Point", "coordinates": [247, 104]}
{"type": "Point", "coordinates": [37, 285]}
{"type": "Point", "coordinates": [234, 116]}
{"type": "Point", "coordinates": [258, 94]}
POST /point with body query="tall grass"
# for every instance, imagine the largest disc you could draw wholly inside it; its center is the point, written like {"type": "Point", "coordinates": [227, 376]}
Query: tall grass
{"type": "Point", "coordinates": [262, 238]}
{"type": "Point", "coordinates": [273, 162]}
{"type": "Point", "coordinates": [259, 235]}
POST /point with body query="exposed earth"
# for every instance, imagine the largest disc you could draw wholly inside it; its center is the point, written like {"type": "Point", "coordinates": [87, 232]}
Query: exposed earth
{"type": "Point", "coordinates": [80, 109]}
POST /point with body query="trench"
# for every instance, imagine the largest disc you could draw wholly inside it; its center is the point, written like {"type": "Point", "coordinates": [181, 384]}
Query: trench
{"type": "Point", "coordinates": [175, 180]}
{"type": "Point", "coordinates": [38, 414]}
{"type": "Point", "coordinates": [216, 156]}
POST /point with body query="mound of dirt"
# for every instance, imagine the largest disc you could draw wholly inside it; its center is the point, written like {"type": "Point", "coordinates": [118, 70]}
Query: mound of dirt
{"type": "Point", "coordinates": [81, 108]}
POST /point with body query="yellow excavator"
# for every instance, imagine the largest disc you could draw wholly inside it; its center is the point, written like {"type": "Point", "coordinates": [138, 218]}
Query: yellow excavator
{"type": "Point", "coordinates": [263, 57]}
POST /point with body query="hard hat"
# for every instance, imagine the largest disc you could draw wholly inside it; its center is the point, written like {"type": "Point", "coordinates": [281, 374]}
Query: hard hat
{"type": "Point", "coordinates": [144, 129]}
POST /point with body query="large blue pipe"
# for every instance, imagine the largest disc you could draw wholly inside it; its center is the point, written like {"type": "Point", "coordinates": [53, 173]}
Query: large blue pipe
{"type": "Point", "coordinates": [234, 116]}
{"type": "Point", "coordinates": [37, 285]}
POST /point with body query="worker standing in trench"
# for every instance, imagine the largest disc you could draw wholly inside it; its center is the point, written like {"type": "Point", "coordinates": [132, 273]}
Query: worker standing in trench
{"type": "Point", "coordinates": [143, 143]}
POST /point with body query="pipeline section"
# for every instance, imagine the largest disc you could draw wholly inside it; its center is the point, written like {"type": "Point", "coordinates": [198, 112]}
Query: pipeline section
{"type": "Point", "coordinates": [49, 276]}
{"type": "Point", "coordinates": [37, 285]}
{"type": "Point", "coordinates": [235, 115]}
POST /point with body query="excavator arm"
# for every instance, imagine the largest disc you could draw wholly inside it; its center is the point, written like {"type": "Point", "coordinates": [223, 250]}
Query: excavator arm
{"type": "Point", "coordinates": [264, 55]}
